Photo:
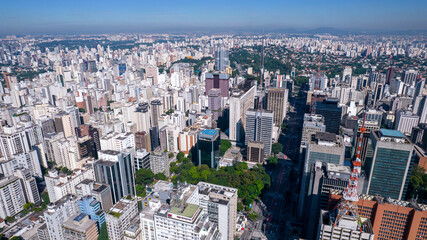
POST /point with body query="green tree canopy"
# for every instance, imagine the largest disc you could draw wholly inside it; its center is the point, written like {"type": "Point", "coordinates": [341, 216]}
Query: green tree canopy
{"type": "Point", "coordinates": [276, 148]}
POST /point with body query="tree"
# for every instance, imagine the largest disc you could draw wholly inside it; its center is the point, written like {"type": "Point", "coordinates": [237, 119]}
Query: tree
{"type": "Point", "coordinates": [276, 148]}
{"type": "Point", "coordinates": [253, 216]}
{"type": "Point", "coordinates": [103, 233]}
{"type": "Point", "coordinates": [273, 160]}
{"type": "Point", "coordinates": [28, 205]}
{"type": "Point", "coordinates": [180, 156]}
{"type": "Point", "coordinates": [10, 219]}
{"type": "Point", "coordinates": [140, 190]}
{"type": "Point", "coordinates": [144, 176]}
{"type": "Point", "coordinates": [170, 155]}
{"type": "Point", "coordinates": [225, 145]}
{"type": "Point", "coordinates": [16, 238]}
{"type": "Point", "coordinates": [82, 110]}
{"type": "Point", "coordinates": [160, 176]}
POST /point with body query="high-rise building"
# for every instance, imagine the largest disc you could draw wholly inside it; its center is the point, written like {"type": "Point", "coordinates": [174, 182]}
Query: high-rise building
{"type": "Point", "coordinates": [115, 169]}
{"type": "Point", "coordinates": [64, 122]}
{"type": "Point", "coordinates": [325, 148]}
{"type": "Point", "coordinates": [313, 123]}
{"type": "Point", "coordinates": [221, 60]}
{"type": "Point", "coordinates": [318, 81]}
{"type": "Point", "coordinates": [142, 117]}
{"type": "Point", "coordinates": [388, 163]}
{"type": "Point", "coordinates": [155, 112]}
{"type": "Point", "coordinates": [389, 74]}
{"type": "Point", "coordinates": [100, 192]}
{"type": "Point", "coordinates": [217, 80]}
{"type": "Point", "coordinates": [405, 121]}
{"type": "Point", "coordinates": [255, 152]}
{"type": "Point", "coordinates": [141, 159]}
{"type": "Point", "coordinates": [325, 177]}
{"type": "Point", "coordinates": [12, 197]}
{"type": "Point", "coordinates": [159, 162]}
{"type": "Point", "coordinates": [346, 75]}
{"type": "Point", "coordinates": [60, 184]}
{"type": "Point", "coordinates": [348, 227]}
{"type": "Point", "coordinates": [119, 217]}
{"type": "Point", "coordinates": [259, 127]}
{"type": "Point", "coordinates": [90, 206]}
{"type": "Point", "coordinates": [410, 77]}
{"type": "Point", "coordinates": [187, 139]}
{"type": "Point", "coordinates": [241, 99]}
{"type": "Point", "coordinates": [29, 184]}
{"type": "Point", "coordinates": [58, 212]}
{"type": "Point", "coordinates": [277, 101]}
{"type": "Point", "coordinates": [390, 218]}
{"type": "Point", "coordinates": [214, 102]}
{"type": "Point", "coordinates": [80, 226]}
{"type": "Point", "coordinates": [330, 110]}
{"type": "Point", "coordinates": [220, 203]}
{"type": "Point", "coordinates": [154, 138]}
{"type": "Point", "coordinates": [142, 141]}
{"type": "Point", "coordinates": [208, 147]}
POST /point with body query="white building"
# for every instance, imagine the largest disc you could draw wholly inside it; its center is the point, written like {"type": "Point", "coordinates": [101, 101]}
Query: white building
{"type": "Point", "coordinates": [119, 217]}
{"type": "Point", "coordinates": [405, 121]}
{"type": "Point", "coordinates": [58, 212]}
{"type": "Point", "coordinates": [59, 184]}
{"type": "Point", "coordinates": [12, 198]}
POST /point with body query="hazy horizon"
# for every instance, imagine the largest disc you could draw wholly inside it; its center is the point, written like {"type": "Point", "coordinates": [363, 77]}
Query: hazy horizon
{"type": "Point", "coordinates": [85, 17]}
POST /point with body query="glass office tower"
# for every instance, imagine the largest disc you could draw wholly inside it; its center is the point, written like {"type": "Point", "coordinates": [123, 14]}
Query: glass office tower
{"type": "Point", "coordinates": [208, 147]}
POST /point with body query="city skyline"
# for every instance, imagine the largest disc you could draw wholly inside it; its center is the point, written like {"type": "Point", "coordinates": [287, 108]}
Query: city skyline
{"type": "Point", "coordinates": [48, 17]}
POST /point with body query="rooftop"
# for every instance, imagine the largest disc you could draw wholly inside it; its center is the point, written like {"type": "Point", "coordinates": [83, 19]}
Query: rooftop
{"type": "Point", "coordinates": [209, 131]}
{"type": "Point", "coordinates": [391, 133]}
{"type": "Point", "coordinates": [188, 211]}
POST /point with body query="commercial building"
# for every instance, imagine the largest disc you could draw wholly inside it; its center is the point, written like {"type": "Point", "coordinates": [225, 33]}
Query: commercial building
{"type": "Point", "coordinates": [390, 218]}
{"type": "Point", "coordinates": [217, 80]}
{"type": "Point", "coordinates": [255, 151]}
{"type": "Point", "coordinates": [141, 159]}
{"type": "Point", "coordinates": [241, 99]}
{"type": "Point", "coordinates": [80, 227]}
{"type": "Point", "coordinates": [259, 127]}
{"type": "Point", "coordinates": [277, 101]}
{"type": "Point", "coordinates": [330, 110]}
{"type": "Point", "coordinates": [208, 147]}
{"type": "Point", "coordinates": [221, 60]}
{"type": "Point", "coordinates": [115, 169]}
{"type": "Point", "coordinates": [142, 141]}
{"type": "Point", "coordinates": [101, 192]}
{"type": "Point", "coordinates": [214, 102]}
{"type": "Point", "coordinates": [405, 121]}
{"type": "Point", "coordinates": [90, 206]}
{"type": "Point", "coordinates": [325, 148]}
{"type": "Point", "coordinates": [348, 227]}
{"type": "Point", "coordinates": [313, 123]}
{"type": "Point", "coordinates": [388, 163]}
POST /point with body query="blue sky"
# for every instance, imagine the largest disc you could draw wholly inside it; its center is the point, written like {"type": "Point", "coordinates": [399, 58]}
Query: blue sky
{"type": "Point", "coordinates": [93, 16]}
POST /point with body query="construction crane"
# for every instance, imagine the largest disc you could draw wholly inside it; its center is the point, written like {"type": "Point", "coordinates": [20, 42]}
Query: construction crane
{"type": "Point", "coordinates": [347, 205]}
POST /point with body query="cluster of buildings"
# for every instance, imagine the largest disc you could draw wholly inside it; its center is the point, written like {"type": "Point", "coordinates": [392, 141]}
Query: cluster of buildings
{"type": "Point", "coordinates": [94, 116]}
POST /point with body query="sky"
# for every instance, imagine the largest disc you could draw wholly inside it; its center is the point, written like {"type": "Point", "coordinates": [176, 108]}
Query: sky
{"type": "Point", "coordinates": [108, 16]}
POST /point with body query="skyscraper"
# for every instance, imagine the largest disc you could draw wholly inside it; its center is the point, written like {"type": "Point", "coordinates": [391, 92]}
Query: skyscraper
{"type": "Point", "coordinates": [221, 60]}
{"type": "Point", "coordinates": [388, 163]}
{"type": "Point", "coordinates": [218, 80]}
{"type": "Point", "coordinates": [208, 146]}
{"type": "Point", "coordinates": [115, 168]}
{"type": "Point", "coordinates": [241, 99]}
{"type": "Point", "coordinates": [325, 148]}
{"type": "Point", "coordinates": [214, 102]}
{"type": "Point", "coordinates": [259, 127]}
{"type": "Point", "coordinates": [410, 77]}
{"type": "Point", "coordinates": [277, 101]}
{"type": "Point", "coordinates": [330, 110]}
